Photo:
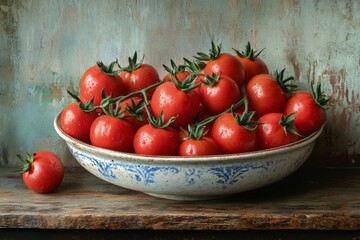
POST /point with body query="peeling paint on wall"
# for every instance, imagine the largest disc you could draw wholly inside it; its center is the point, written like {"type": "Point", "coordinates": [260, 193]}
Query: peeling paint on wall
{"type": "Point", "coordinates": [46, 45]}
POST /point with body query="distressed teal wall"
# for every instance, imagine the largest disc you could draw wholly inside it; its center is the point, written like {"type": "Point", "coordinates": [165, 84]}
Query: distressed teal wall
{"type": "Point", "coordinates": [46, 45]}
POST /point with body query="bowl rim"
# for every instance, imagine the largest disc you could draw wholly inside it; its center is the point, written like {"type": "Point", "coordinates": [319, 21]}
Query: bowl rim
{"type": "Point", "coordinates": [116, 155]}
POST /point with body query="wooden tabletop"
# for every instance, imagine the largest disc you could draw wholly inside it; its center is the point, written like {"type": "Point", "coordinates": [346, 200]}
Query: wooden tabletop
{"type": "Point", "coordinates": [310, 199]}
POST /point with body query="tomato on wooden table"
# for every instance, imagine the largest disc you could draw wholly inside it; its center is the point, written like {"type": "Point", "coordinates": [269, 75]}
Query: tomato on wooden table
{"type": "Point", "coordinates": [76, 122]}
{"type": "Point", "coordinates": [42, 171]}
{"type": "Point", "coordinates": [309, 110]}
{"type": "Point", "coordinates": [101, 78]}
{"type": "Point", "coordinates": [276, 130]}
{"type": "Point", "coordinates": [252, 63]}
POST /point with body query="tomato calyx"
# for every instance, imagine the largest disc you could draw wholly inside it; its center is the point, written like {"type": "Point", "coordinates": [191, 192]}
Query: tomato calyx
{"type": "Point", "coordinates": [187, 84]}
{"type": "Point", "coordinates": [249, 52]}
{"type": "Point", "coordinates": [319, 97]}
{"type": "Point", "coordinates": [194, 66]}
{"type": "Point", "coordinates": [211, 81]}
{"type": "Point", "coordinates": [288, 124]}
{"type": "Point", "coordinates": [136, 110]}
{"type": "Point", "coordinates": [86, 107]}
{"type": "Point", "coordinates": [26, 162]}
{"type": "Point", "coordinates": [133, 64]}
{"type": "Point", "coordinates": [284, 83]}
{"type": "Point", "coordinates": [214, 53]}
{"type": "Point", "coordinates": [174, 68]}
{"type": "Point", "coordinates": [245, 120]}
{"type": "Point", "coordinates": [196, 131]}
{"type": "Point", "coordinates": [159, 122]}
{"type": "Point", "coordinates": [109, 69]}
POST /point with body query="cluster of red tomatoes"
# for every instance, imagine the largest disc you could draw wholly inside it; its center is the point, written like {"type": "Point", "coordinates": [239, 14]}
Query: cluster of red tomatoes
{"type": "Point", "coordinates": [218, 103]}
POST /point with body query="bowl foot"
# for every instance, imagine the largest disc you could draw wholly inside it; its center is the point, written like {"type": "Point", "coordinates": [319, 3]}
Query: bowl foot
{"type": "Point", "coordinates": [187, 197]}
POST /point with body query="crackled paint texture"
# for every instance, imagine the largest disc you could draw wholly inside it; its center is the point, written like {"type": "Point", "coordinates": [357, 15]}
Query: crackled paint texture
{"type": "Point", "coordinates": [46, 45]}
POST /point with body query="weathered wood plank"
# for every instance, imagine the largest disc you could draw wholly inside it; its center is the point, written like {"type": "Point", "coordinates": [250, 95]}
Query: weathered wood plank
{"type": "Point", "coordinates": [323, 199]}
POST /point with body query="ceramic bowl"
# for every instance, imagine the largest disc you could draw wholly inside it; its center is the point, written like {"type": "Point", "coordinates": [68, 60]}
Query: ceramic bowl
{"type": "Point", "coordinates": [190, 178]}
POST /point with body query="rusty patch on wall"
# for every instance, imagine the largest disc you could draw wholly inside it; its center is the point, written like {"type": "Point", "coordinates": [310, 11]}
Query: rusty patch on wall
{"type": "Point", "coordinates": [291, 57]}
{"type": "Point", "coordinates": [343, 100]}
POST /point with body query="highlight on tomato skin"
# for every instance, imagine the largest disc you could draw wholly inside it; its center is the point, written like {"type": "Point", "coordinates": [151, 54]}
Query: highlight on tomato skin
{"type": "Point", "coordinates": [265, 95]}
{"type": "Point", "coordinates": [42, 171]}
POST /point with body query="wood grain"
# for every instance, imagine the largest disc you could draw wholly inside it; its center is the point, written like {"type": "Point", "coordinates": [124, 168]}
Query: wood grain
{"type": "Point", "coordinates": [311, 199]}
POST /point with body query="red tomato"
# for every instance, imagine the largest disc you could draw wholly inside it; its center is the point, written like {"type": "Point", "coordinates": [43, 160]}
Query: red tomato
{"type": "Point", "coordinates": [140, 78]}
{"type": "Point", "coordinates": [226, 64]}
{"type": "Point", "coordinates": [309, 113]}
{"type": "Point", "coordinates": [198, 147]}
{"type": "Point", "coordinates": [231, 136]}
{"type": "Point", "coordinates": [218, 93]}
{"type": "Point", "coordinates": [75, 122]}
{"type": "Point", "coordinates": [253, 67]}
{"type": "Point", "coordinates": [251, 62]}
{"type": "Point", "coordinates": [222, 63]}
{"type": "Point", "coordinates": [112, 133]}
{"type": "Point", "coordinates": [100, 78]}
{"type": "Point", "coordinates": [265, 95]}
{"type": "Point", "coordinates": [134, 106]}
{"type": "Point", "coordinates": [170, 100]}
{"type": "Point", "coordinates": [156, 141]}
{"type": "Point", "coordinates": [271, 132]}
{"type": "Point", "coordinates": [43, 171]}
